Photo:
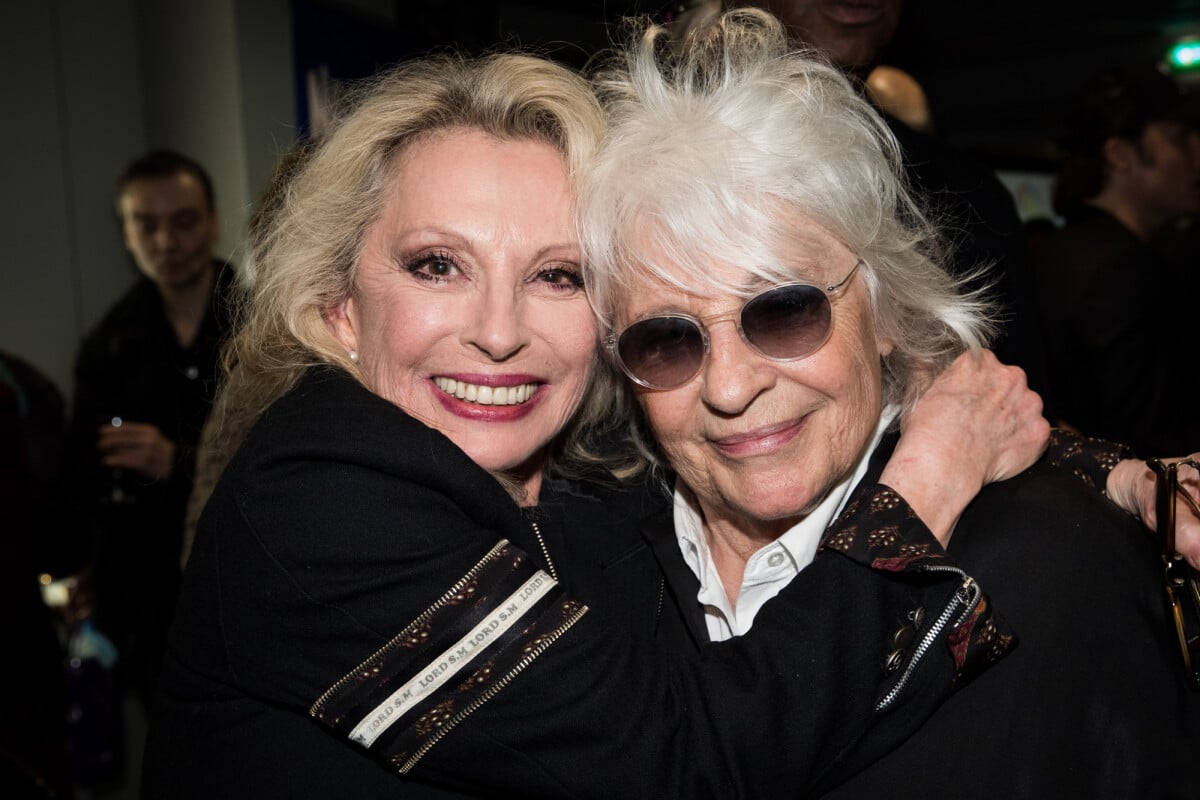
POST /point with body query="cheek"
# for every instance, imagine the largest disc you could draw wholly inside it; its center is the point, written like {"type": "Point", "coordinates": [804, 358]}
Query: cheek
{"type": "Point", "coordinates": [137, 242]}
{"type": "Point", "coordinates": [394, 337]}
{"type": "Point", "coordinates": [199, 245]}
{"type": "Point", "coordinates": [572, 333]}
{"type": "Point", "coordinates": [850, 372]}
{"type": "Point", "coordinates": [671, 418]}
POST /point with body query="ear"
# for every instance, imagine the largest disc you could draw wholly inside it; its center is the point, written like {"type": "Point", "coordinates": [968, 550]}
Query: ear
{"type": "Point", "coordinates": [1118, 153]}
{"type": "Point", "coordinates": [886, 346]}
{"type": "Point", "coordinates": [126, 235]}
{"type": "Point", "coordinates": [343, 324]}
{"type": "Point", "coordinates": [125, 223]}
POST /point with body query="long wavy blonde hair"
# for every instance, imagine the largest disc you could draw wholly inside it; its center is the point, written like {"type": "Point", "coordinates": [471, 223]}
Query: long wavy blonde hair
{"type": "Point", "coordinates": [304, 254]}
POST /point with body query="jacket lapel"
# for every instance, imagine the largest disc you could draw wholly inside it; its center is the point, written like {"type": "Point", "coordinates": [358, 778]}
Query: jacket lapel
{"type": "Point", "coordinates": [681, 584]}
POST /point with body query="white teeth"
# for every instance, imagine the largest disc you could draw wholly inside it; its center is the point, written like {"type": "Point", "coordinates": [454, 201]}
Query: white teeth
{"type": "Point", "coordinates": [486, 395]}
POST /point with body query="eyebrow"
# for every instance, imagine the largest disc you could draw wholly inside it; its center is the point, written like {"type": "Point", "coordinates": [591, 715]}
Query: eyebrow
{"type": "Point", "coordinates": [573, 247]}
{"type": "Point", "coordinates": [427, 236]}
{"type": "Point", "coordinates": [146, 216]}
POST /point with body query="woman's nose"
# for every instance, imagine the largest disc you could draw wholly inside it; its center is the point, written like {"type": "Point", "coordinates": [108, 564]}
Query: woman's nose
{"type": "Point", "coordinates": [734, 373]}
{"type": "Point", "coordinates": [496, 327]}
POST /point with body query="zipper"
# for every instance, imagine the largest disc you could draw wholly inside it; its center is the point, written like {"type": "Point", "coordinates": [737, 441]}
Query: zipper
{"type": "Point", "coordinates": [545, 550]}
{"type": "Point", "coordinates": [491, 692]}
{"type": "Point", "coordinates": [519, 667]}
{"type": "Point", "coordinates": [415, 625]}
{"type": "Point", "coordinates": [662, 588]}
{"type": "Point", "coordinates": [965, 599]}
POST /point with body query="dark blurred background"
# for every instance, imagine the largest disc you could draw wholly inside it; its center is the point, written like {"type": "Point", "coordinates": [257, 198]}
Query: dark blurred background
{"type": "Point", "coordinates": [229, 82]}
{"type": "Point", "coordinates": [997, 73]}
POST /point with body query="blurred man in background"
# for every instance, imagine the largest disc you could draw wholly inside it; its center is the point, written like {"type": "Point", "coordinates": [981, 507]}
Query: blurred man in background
{"type": "Point", "coordinates": [145, 379]}
{"type": "Point", "coordinates": [1114, 312]}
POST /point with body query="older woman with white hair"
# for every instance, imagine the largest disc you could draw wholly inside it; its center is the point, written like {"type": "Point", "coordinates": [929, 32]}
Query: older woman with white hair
{"type": "Point", "coordinates": [772, 290]}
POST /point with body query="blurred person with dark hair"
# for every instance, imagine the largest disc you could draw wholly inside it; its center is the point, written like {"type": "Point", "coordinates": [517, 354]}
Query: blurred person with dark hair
{"type": "Point", "coordinates": [32, 728]}
{"type": "Point", "coordinates": [145, 378]}
{"type": "Point", "coordinates": [976, 214]}
{"type": "Point", "coordinates": [1178, 242]}
{"type": "Point", "coordinates": [1112, 310]}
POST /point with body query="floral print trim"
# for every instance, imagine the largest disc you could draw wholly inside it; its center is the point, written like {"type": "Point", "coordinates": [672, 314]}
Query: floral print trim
{"type": "Point", "coordinates": [978, 643]}
{"type": "Point", "coordinates": [1086, 458]}
{"type": "Point", "coordinates": [880, 530]}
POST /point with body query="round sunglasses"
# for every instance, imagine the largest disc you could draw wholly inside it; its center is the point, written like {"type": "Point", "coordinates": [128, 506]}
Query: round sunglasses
{"type": "Point", "coordinates": [783, 323]}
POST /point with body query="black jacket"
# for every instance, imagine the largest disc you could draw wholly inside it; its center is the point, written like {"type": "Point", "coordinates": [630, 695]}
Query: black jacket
{"type": "Point", "coordinates": [347, 564]}
{"type": "Point", "coordinates": [1119, 336]}
{"type": "Point", "coordinates": [1091, 703]}
{"type": "Point", "coordinates": [132, 366]}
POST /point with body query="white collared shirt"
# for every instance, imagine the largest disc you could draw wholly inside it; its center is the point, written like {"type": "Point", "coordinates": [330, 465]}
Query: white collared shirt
{"type": "Point", "coordinates": [773, 566]}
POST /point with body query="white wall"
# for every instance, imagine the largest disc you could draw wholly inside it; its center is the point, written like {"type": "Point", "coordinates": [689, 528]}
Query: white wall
{"type": "Point", "coordinates": [265, 57]}
{"type": "Point", "coordinates": [193, 101]}
{"type": "Point", "coordinates": [75, 111]}
{"type": "Point", "coordinates": [92, 85]}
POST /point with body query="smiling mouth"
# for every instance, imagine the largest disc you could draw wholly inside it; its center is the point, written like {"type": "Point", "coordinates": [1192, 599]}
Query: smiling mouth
{"type": "Point", "coordinates": [762, 441]}
{"type": "Point", "coordinates": [487, 395]}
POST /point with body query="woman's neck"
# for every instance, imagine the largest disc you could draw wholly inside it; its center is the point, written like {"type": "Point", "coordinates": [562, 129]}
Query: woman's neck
{"type": "Point", "coordinates": [732, 542]}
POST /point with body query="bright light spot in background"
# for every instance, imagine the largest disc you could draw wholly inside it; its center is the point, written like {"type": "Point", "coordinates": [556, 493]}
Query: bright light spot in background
{"type": "Point", "coordinates": [1184, 55]}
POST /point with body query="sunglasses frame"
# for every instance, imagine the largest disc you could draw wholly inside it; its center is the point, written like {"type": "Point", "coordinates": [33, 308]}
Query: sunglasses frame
{"type": "Point", "coordinates": [831, 292]}
{"type": "Point", "coordinates": [1180, 581]}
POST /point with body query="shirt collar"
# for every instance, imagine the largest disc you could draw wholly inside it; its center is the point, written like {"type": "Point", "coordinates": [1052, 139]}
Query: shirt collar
{"type": "Point", "coordinates": [797, 546]}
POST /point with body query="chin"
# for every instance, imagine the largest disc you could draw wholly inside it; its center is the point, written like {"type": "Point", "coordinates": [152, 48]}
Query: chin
{"type": "Point", "coordinates": [518, 465]}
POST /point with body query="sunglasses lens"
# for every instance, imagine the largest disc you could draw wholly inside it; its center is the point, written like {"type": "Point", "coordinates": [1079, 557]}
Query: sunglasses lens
{"type": "Point", "coordinates": [661, 352]}
{"type": "Point", "coordinates": [788, 322]}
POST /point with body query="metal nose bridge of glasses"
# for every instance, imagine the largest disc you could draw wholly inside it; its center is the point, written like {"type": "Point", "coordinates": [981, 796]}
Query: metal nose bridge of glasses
{"type": "Point", "coordinates": [624, 349]}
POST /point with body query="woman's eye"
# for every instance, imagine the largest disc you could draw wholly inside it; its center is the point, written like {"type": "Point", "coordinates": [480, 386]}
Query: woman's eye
{"type": "Point", "coordinates": [433, 267]}
{"type": "Point", "coordinates": [566, 278]}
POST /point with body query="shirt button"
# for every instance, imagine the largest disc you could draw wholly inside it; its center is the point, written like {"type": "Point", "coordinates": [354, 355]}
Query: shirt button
{"type": "Point", "coordinates": [775, 559]}
{"type": "Point", "coordinates": [893, 661]}
{"type": "Point", "coordinates": [192, 372]}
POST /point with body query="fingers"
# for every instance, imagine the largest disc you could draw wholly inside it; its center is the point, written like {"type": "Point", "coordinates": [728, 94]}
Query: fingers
{"type": "Point", "coordinates": [127, 434]}
{"type": "Point", "coordinates": [1187, 540]}
{"type": "Point", "coordinates": [138, 446]}
{"type": "Point", "coordinates": [1131, 485]}
{"type": "Point", "coordinates": [1187, 514]}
